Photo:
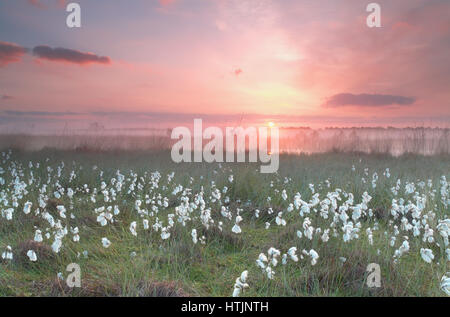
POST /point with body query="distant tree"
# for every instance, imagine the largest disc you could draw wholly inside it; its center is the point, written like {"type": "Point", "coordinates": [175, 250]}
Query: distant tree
{"type": "Point", "coordinates": [96, 126]}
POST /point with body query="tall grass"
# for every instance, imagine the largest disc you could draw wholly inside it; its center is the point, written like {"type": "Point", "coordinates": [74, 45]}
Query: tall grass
{"type": "Point", "coordinates": [177, 267]}
{"type": "Point", "coordinates": [394, 141]}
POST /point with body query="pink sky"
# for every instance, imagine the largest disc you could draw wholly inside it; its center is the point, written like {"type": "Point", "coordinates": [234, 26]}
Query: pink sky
{"type": "Point", "coordinates": [147, 63]}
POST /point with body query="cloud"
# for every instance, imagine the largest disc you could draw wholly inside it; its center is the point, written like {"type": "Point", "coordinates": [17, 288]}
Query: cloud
{"type": "Point", "coordinates": [10, 53]}
{"type": "Point", "coordinates": [166, 2]}
{"type": "Point", "coordinates": [39, 4]}
{"type": "Point", "coordinates": [120, 119]}
{"type": "Point", "coordinates": [367, 100]}
{"type": "Point", "coordinates": [40, 113]}
{"type": "Point", "coordinates": [36, 3]}
{"type": "Point", "coordinates": [6, 97]}
{"type": "Point", "coordinates": [68, 55]}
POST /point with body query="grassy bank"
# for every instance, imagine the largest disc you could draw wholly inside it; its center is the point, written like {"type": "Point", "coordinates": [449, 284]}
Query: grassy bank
{"type": "Point", "coordinates": [175, 199]}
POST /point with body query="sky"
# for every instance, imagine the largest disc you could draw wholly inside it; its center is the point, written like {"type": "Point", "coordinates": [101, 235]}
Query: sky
{"type": "Point", "coordinates": [158, 63]}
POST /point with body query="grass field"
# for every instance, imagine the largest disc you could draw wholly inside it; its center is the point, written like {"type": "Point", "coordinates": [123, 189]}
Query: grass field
{"type": "Point", "coordinates": [174, 229]}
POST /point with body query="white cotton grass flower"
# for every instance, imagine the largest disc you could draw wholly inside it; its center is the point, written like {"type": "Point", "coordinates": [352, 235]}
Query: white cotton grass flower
{"type": "Point", "coordinates": [427, 255]}
{"type": "Point", "coordinates": [101, 218]}
{"type": "Point", "coordinates": [445, 283]}
{"type": "Point", "coordinates": [262, 260]}
{"type": "Point", "coordinates": [240, 284]}
{"type": "Point", "coordinates": [267, 262]}
{"type": "Point", "coordinates": [292, 253]}
{"type": "Point", "coordinates": [194, 236]}
{"type": "Point", "coordinates": [32, 255]}
{"type": "Point", "coordinates": [133, 228]}
{"type": "Point", "coordinates": [164, 234]}
{"type": "Point", "coordinates": [274, 261]}
{"type": "Point", "coordinates": [106, 243]}
{"type": "Point", "coordinates": [370, 236]}
{"type": "Point", "coordinates": [8, 254]}
{"type": "Point", "coordinates": [62, 211]}
{"type": "Point", "coordinates": [244, 276]}
{"type": "Point", "coordinates": [27, 208]}
{"type": "Point", "coordinates": [402, 250]}
{"type": "Point", "coordinates": [38, 236]}
{"type": "Point", "coordinates": [313, 255]}
{"type": "Point", "coordinates": [270, 273]}
{"type": "Point", "coordinates": [284, 258]}
{"type": "Point", "coordinates": [56, 245]}
{"type": "Point", "coordinates": [8, 213]}
{"type": "Point", "coordinates": [279, 220]}
{"type": "Point", "coordinates": [290, 208]}
{"type": "Point", "coordinates": [76, 236]}
{"type": "Point", "coordinates": [236, 229]}
{"type": "Point", "coordinates": [273, 252]}
{"type": "Point", "coordinates": [325, 237]}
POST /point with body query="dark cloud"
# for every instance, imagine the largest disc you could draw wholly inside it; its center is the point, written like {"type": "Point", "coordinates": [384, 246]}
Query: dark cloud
{"type": "Point", "coordinates": [10, 53]}
{"type": "Point", "coordinates": [68, 55]}
{"type": "Point", "coordinates": [40, 113]}
{"type": "Point", "coordinates": [5, 97]}
{"type": "Point", "coordinates": [367, 100]}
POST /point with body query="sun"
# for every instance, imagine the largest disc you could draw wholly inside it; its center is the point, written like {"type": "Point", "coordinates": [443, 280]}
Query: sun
{"type": "Point", "coordinates": [270, 124]}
